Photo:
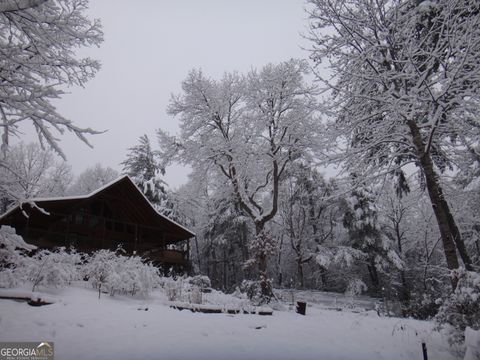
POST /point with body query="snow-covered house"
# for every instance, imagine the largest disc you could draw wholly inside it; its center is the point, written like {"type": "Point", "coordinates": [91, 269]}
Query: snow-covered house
{"type": "Point", "coordinates": [116, 214]}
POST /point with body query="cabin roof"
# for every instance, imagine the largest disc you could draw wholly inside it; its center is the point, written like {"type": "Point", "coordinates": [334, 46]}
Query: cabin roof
{"type": "Point", "coordinates": [144, 210]}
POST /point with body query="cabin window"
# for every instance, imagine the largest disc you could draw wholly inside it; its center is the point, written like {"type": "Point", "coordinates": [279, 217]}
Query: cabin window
{"type": "Point", "coordinates": [78, 219]}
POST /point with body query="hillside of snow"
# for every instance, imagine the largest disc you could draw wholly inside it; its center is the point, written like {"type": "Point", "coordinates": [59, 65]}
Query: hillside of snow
{"type": "Point", "coordinates": [82, 326]}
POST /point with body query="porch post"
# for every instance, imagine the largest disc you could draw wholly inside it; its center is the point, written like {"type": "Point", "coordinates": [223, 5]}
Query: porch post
{"type": "Point", "coordinates": [135, 244]}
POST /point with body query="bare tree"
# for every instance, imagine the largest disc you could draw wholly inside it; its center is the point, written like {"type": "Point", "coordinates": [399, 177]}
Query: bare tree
{"type": "Point", "coordinates": [92, 179]}
{"type": "Point", "coordinates": [35, 172]}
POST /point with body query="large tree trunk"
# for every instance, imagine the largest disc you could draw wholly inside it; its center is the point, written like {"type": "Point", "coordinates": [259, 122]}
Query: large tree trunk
{"type": "Point", "coordinates": [449, 232]}
{"type": "Point", "coordinates": [405, 292]}
{"type": "Point", "coordinates": [244, 273]}
{"type": "Point", "coordinates": [300, 273]}
{"type": "Point", "coordinates": [373, 272]}
{"type": "Point", "coordinates": [279, 264]}
{"type": "Point", "coordinates": [323, 276]}
{"type": "Point", "coordinates": [225, 271]}
{"type": "Point", "coordinates": [214, 272]}
{"type": "Point", "coordinates": [261, 257]}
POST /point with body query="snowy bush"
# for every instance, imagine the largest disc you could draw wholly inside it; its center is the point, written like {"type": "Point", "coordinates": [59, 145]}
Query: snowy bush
{"type": "Point", "coordinates": [53, 268]}
{"type": "Point", "coordinates": [252, 289]}
{"type": "Point", "coordinates": [108, 271]}
{"type": "Point", "coordinates": [134, 275]}
{"type": "Point", "coordinates": [187, 289]}
{"type": "Point", "coordinates": [99, 267]}
{"type": "Point", "coordinates": [196, 285]}
{"type": "Point", "coordinates": [13, 259]}
{"type": "Point", "coordinates": [196, 296]}
{"type": "Point", "coordinates": [173, 289]}
{"type": "Point", "coordinates": [355, 287]}
{"type": "Point", "coordinates": [47, 268]}
{"type": "Point", "coordinates": [422, 306]}
{"type": "Point", "coordinates": [193, 290]}
{"type": "Point", "coordinates": [200, 281]}
{"type": "Point", "coordinates": [462, 308]}
{"type": "Point", "coordinates": [9, 277]}
{"type": "Point", "coordinates": [472, 344]}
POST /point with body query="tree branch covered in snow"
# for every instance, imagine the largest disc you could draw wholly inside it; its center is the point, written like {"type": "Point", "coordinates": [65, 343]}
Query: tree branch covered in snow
{"type": "Point", "coordinates": [247, 130]}
{"type": "Point", "coordinates": [38, 44]}
{"type": "Point", "coordinates": [38, 49]}
{"type": "Point", "coordinates": [404, 89]}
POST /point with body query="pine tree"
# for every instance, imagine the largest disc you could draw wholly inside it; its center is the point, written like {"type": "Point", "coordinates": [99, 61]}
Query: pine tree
{"type": "Point", "coordinates": [360, 219]}
{"type": "Point", "coordinates": [144, 169]}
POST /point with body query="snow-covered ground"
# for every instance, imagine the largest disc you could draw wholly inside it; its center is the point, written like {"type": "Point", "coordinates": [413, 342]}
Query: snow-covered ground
{"type": "Point", "coordinates": [327, 300]}
{"type": "Point", "coordinates": [85, 327]}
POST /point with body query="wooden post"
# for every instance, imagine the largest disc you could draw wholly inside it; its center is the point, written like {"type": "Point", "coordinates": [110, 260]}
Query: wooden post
{"type": "Point", "coordinates": [67, 232]}
{"type": "Point", "coordinates": [136, 239]}
{"type": "Point", "coordinates": [198, 255]}
{"type": "Point", "coordinates": [301, 307]}
{"type": "Point", "coordinates": [103, 231]}
{"type": "Point", "coordinates": [424, 351]}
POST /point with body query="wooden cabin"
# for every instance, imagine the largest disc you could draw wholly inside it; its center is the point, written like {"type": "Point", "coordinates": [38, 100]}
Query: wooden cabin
{"type": "Point", "coordinates": [116, 214]}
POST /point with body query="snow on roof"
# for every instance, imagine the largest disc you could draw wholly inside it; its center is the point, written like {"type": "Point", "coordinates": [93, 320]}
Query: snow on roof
{"type": "Point", "coordinates": [93, 193]}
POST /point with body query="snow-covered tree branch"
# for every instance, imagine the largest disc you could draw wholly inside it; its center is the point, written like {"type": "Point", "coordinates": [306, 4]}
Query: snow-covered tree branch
{"type": "Point", "coordinates": [38, 43]}
{"type": "Point", "coordinates": [248, 130]}
{"type": "Point", "coordinates": [404, 89]}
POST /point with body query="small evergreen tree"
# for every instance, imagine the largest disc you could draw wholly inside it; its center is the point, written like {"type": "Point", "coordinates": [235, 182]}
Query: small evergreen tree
{"type": "Point", "coordinates": [361, 221]}
{"type": "Point", "coordinates": [144, 169]}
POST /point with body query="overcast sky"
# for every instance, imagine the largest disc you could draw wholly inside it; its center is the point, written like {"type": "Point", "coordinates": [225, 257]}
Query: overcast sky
{"type": "Point", "coordinates": [148, 50]}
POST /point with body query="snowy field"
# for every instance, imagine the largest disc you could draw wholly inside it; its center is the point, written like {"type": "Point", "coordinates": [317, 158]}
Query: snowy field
{"type": "Point", "coordinates": [85, 327]}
